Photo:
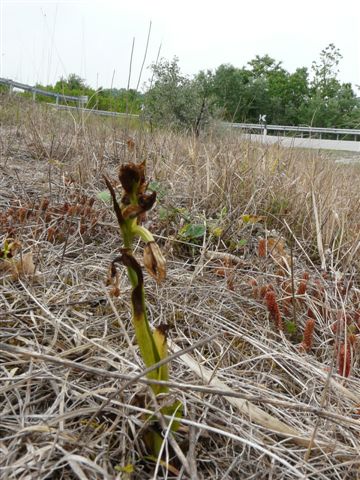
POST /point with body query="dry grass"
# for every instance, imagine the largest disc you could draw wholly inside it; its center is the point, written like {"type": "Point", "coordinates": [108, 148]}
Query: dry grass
{"type": "Point", "coordinates": [257, 404]}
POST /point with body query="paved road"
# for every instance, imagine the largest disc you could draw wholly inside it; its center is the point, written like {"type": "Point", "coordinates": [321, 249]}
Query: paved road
{"type": "Point", "coordinates": [343, 145]}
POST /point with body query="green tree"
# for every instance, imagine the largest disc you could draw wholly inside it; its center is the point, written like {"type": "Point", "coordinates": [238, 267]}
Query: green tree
{"type": "Point", "coordinates": [174, 99]}
{"type": "Point", "coordinates": [119, 100]}
{"type": "Point", "coordinates": [331, 103]}
{"type": "Point", "coordinates": [232, 95]}
{"type": "Point", "coordinates": [75, 86]}
{"type": "Point", "coordinates": [270, 80]}
{"type": "Point", "coordinates": [297, 96]}
{"type": "Point", "coordinates": [325, 71]}
{"type": "Point", "coordinates": [72, 83]}
{"type": "Point", "coordinates": [263, 88]}
{"type": "Point", "coordinates": [263, 66]}
{"type": "Point", "coordinates": [203, 84]}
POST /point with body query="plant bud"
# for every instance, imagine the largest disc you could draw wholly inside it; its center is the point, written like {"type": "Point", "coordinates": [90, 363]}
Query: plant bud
{"type": "Point", "coordinates": [132, 176]}
{"type": "Point", "coordinates": [154, 261]}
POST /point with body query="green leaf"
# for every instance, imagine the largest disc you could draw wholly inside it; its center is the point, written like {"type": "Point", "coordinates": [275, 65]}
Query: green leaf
{"type": "Point", "coordinates": [217, 231]}
{"type": "Point", "coordinates": [223, 213]}
{"type": "Point", "coordinates": [126, 469]}
{"type": "Point", "coordinates": [184, 213]}
{"type": "Point", "coordinates": [104, 196]}
{"type": "Point", "coordinates": [192, 231]}
{"type": "Point", "coordinates": [252, 218]}
{"type": "Point", "coordinates": [241, 243]}
{"type": "Point", "coordinates": [157, 187]}
{"type": "Point", "coordinates": [290, 327]}
{"type": "Point", "coordinates": [166, 213]}
{"type": "Point", "coordinates": [176, 410]}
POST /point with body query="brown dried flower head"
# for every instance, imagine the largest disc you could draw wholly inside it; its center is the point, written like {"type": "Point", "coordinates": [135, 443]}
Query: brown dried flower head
{"type": "Point", "coordinates": [132, 177]}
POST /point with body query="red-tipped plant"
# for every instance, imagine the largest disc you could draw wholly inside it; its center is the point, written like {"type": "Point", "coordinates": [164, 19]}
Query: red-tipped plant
{"type": "Point", "coordinates": [302, 287]}
{"type": "Point", "coordinates": [308, 338]}
{"type": "Point", "coordinates": [344, 359]}
{"type": "Point", "coordinates": [273, 309]}
{"type": "Point", "coordinates": [262, 248]}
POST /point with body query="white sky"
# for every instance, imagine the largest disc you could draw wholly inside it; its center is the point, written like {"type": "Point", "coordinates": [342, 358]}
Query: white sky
{"type": "Point", "coordinates": [43, 40]}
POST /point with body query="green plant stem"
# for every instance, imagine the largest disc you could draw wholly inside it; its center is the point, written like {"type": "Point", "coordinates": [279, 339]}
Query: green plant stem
{"type": "Point", "coordinates": [143, 332]}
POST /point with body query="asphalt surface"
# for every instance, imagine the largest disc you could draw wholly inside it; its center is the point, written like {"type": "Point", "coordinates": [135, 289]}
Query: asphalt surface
{"type": "Point", "coordinates": [342, 145]}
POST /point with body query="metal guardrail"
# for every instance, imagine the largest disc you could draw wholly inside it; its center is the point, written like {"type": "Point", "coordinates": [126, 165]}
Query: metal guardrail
{"type": "Point", "coordinates": [82, 100]}
{"type": "Point", "coordinates": [106, 113]}
{"type": "Point", "coordinates": [318, 131]}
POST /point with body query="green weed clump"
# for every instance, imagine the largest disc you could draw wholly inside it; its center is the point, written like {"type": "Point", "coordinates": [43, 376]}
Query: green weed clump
{"type": "Point", "coordinates": [135, 202]}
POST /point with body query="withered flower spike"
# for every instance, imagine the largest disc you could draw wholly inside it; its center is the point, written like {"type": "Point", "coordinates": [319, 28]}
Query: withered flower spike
{"type": "Point", "coordinates": [154, 261]}
{"type": "Point", "coordinates": [132, 176]}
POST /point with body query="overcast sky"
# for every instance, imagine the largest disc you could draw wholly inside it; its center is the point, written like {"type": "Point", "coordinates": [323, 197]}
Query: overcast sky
{"type": "Point", "coordinates": [43, 40]}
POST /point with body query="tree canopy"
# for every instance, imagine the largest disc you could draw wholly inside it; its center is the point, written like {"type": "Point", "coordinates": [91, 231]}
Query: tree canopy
{"type": "Point", "coordinates": [263, 86]}
{"type": "Point", "coordinates": [237, 94]}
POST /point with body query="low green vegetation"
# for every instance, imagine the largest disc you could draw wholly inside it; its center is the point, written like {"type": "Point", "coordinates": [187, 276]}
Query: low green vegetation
{"type": "Point", "coordinates": [110, 99]}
